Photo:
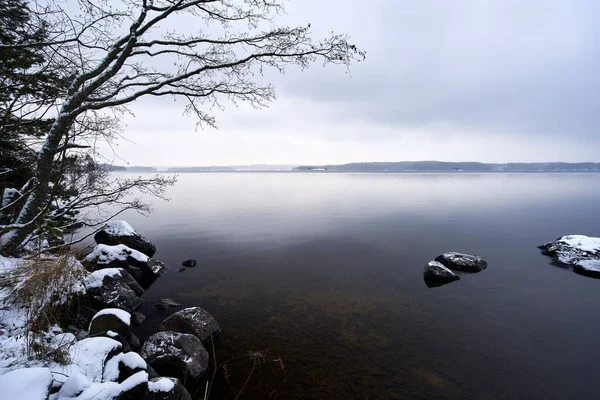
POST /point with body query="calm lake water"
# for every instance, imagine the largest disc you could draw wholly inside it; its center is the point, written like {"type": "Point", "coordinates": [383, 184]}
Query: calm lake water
{"type": "Point", "coordinates": [325, 272]}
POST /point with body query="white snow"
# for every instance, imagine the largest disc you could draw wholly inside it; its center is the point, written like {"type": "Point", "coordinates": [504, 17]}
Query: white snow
{"type": "Point", "coordinates": [117, 312]}
{"type": "Point", "coordinates": [96, 278]}
{"type": "Point", "coordinates": [86, 376]}
{"type": "Point", "coordinates": [26, 384]}
{"type": "Point", "coordinates": [131, 360]}
{"type": "Point", "coordinates": [75, 384]}
{"type": "Point", "coordinates": [590, 265]}
{"type": "Point", "coordinates": [582, 242]}
{"type": "Point", "coordinates": [119, 228]}
{"type": "Point", "coordinates": [438, 265]}
{"type": "Point", "coordinates": [162, 385]}
{"type": "Point", "coordinates": [8, 196]}
{"type": "Point", "coordinates": [89, 355]}
{"type": "Point", "coordinates": [104, 254]}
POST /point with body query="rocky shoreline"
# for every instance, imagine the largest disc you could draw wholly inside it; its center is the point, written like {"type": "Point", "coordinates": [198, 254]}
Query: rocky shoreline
{"type": "Point", "coordinates": [107, 360]}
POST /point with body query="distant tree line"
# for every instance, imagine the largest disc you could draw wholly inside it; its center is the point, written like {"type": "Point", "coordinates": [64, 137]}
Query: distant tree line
{"type": "Point", "coordinates": [441, 166]}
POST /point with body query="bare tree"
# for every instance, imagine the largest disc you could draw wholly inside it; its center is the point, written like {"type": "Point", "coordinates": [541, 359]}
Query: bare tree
{"type": "Point", "coordinates": [121, 52]}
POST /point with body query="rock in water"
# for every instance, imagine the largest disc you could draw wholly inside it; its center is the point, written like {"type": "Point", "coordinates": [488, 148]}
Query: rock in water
{"type": "Point", "coordinates": [120, 232]}
{"type": "Point", "coordinates": [108, 289]}
{"type": "Point", "coordinates": [179, 355]}
{"type": "Point", "coordinates": [577, 252]}
{"type": "Point", "coordinates": [436, 274]}
{"type": "Point", "coordinates": [462, 262]}
{"type": "Point", "coordinates": [193, 320]}
{"type": "Point", "coordinates": [142, 268]}
{"type": "Point", "coordinates": [189, 263]}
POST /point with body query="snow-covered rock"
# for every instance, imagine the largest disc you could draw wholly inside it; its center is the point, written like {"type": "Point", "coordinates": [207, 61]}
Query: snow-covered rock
{"type": "Point", "coordinates": [110, 319]}
{"type": "Point", "coordinates": [108, 289]}
{"type": "Point", "coordinates": [26, 384]}
{"type": "Point", "coordinates": [577, 252]}
{"type": "Point", "coordinates": [120, 232]}
{"type": "Point", "coordinates": [166, 389]}
{"type": "Point", "coordinates": [462, 262]}
{"type": "Point", "coordinates": [144, 269]}
{"type": "Point", "coordinates": [193, 320]}
{"type": "Point", "coordinates": [435, 274]}
{"type": "Point", "coordinates": [90, 355]}
{"type": "Point", "coordinates": [179, 355]}
{"type": "Point", "coordinates": [122, 366]}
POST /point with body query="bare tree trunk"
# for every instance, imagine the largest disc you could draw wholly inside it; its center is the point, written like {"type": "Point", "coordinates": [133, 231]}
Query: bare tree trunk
{"type": "Point", "coordinates": [38, 199]}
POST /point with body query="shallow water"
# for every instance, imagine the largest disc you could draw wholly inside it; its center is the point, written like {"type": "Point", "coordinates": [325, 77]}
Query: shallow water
{"type": "Point", "coordinates": [325, 272]}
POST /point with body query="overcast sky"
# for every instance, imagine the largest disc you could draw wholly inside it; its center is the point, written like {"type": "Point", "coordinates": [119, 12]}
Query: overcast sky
{"type": "Point", "coordinates": [456, 80]}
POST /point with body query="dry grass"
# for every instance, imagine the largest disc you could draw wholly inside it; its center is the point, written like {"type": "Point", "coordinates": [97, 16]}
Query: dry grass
{"type": "Point", "coordinates": [44, 286]}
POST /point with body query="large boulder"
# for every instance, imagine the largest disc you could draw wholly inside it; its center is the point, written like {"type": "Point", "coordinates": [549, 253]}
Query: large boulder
{"type": "Point", "coordinates": [462, 262]}
{"type": "Point", "coordinates": [108, 289]}
{"type": "Point", "coordinates": [120, 232]}
{"type": "Point", "coordinates": [193, 320]}
{"type": "Point", "coordinates": [110, 319]}
{"type": "Point", "coordinates": [142, 268]}
{"type": "Point", "coordinates": [436, 274]}
{"type": "Point", "coordinates": [577, 252]}
{"type": "Point", "coordinates": [166, 389]}
{"type": "Point", "coordinates": [178, 355]}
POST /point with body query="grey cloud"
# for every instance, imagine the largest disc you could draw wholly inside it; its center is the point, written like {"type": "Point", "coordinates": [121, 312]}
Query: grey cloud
{"type": "Point", "coordinates": [485, 66]}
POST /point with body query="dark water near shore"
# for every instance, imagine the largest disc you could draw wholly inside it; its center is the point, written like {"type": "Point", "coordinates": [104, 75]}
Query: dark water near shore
{"type": "Point", "coordinates": [325, 271]}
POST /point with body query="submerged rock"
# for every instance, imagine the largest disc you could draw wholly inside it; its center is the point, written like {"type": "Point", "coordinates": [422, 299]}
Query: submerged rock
{"type": "Point", "coordinates": [178, 355]}
{"type": "Point", "coordinates": [462, 262]}
{"type": "Point", "coordinates": [577, 252]}
{"type": "Point", "coordinates": [193, 320]}
{"type": "Point", "coordinates": [120, 232]}
{"type": "Point", "coordinates": [189, 263]}
{"type": "Point", "coordinates": [435, 274]}
{"type": "Point", "coordinates": [165, 304]}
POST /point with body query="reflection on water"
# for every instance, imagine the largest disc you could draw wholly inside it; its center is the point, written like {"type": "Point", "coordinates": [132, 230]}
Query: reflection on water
{"type": "Point", "coordinates": [325, 271]}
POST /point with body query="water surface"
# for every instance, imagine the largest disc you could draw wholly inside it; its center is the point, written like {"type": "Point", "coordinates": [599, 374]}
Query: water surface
{"type": "Point", "coordinates": [325, 272]}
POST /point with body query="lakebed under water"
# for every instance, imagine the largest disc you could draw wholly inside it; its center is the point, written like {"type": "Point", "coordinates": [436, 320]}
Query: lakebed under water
{"type": "Point", "coordinates": [325, 273]}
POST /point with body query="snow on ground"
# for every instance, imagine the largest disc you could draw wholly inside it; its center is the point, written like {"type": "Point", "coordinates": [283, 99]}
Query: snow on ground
{"type": "Point", "coordinates": [582, 242]}
{"type": "Point", "coordinates": [26, 384]}
{"type": "Point", "coordinates": [119, 228]}
{"type": "Point", "coordinates": [85, 376]}
{"type": "Point", "coordinates": [117, 312]}
{"type": "Point", "coordinates": [104, 254]}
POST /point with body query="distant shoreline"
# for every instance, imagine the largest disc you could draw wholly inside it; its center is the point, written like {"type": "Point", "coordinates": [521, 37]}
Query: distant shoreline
{"type": "Point", "coordinates": [384, 167]}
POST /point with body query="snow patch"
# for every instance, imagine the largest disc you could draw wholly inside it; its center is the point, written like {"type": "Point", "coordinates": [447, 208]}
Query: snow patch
{"type": "Point", "coordinates": [104, 254]}
{"type": "Point", "coordinates": [119, 228]}
{"type": "Point", "coordinates": [26, 384]}
{"type": "Point", "coordinates": [96, 278]}
{"type": "Point", "coordinates": [590, 265]}
{"type": "Point", "coordinates": [582, 242]}
{"type": "Point", "coordinates": [164, 385]}
{"type": "Point", "coordinates": [131, 360]}
{"type": "Point", "coordinates": [89, 355]}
